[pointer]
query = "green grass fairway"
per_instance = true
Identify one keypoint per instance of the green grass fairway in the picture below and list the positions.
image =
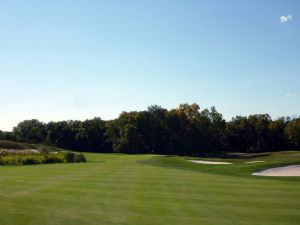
(145, 189)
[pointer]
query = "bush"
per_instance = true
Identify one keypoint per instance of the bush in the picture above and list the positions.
(32, 159)
(80, 158)
(72, 157)
(21, 158)
(10, 160)
(54, 158)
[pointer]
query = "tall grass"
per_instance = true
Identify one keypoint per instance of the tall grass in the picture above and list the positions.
(25, 157)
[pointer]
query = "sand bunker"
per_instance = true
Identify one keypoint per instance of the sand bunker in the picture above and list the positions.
(255, 162)
(285, 171)
(208, 162)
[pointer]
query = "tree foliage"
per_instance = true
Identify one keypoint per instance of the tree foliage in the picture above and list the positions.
(186, 130)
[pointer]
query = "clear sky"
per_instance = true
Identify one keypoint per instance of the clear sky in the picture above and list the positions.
(74, 59)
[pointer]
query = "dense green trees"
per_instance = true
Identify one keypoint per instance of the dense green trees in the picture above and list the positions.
(186, 130)
(292, 132)
(31, 131)
(77, 135)
(251, 133)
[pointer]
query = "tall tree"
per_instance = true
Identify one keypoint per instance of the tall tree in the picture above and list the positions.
(293, 133)
(31, 131)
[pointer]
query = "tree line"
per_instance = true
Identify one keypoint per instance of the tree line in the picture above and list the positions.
(186, 130)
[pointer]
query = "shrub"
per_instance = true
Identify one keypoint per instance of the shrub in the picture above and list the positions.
(80, 158)
(21, 158)
(70, 157)
(32, 159)
(54, 158)
(10, 160)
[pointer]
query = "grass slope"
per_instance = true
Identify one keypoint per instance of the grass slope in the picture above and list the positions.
(5, 144)
(145, 189)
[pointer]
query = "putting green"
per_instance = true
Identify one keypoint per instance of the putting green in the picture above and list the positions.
(145, 189)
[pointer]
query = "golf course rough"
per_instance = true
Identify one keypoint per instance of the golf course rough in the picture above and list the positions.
(145, 189)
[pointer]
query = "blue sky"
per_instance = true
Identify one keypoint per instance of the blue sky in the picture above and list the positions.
(63, 60)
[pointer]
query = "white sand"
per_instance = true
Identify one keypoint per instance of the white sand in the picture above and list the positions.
(254, 162)
(285, 171)
(208, 162)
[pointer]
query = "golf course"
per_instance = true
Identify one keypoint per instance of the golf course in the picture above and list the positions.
(150, 189)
